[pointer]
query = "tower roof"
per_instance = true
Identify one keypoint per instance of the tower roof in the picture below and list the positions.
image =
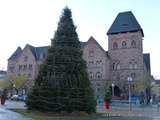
(125, 22)
(16, 54)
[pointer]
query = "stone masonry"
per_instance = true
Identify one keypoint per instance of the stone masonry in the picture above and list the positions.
(123, 59)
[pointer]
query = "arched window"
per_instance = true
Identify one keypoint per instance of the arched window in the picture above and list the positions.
(135, 65)
(124, 44)
(114, 66)
(91, 75)
(130, 65)
(98, 62)
(98, 75)
(118, 66)
(133, 44)
(115, 45)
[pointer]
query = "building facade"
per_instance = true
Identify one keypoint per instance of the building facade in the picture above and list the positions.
(123, 59)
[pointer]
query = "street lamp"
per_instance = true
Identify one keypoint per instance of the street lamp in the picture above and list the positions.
(129, 83)
(112, 90)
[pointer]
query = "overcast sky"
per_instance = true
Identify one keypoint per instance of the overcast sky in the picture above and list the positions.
(34, 22)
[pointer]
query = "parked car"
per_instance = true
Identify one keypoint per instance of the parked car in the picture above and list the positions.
(14, 97)
(19, 97)
(22, 97)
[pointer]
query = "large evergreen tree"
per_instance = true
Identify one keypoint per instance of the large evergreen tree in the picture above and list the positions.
(62, 83)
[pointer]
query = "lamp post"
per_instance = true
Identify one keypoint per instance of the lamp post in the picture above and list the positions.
(112, 90)
(129, 83)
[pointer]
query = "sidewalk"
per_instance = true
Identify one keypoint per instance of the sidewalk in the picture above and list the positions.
(6, 114)
(148, 111)
(14, 104)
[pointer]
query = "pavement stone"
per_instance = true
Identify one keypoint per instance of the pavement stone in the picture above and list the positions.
(115, 113)
(6, 114)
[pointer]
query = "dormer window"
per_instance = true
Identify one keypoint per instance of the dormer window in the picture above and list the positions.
(42, 56)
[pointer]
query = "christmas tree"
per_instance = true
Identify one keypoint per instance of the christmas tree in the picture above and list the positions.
(62, 83)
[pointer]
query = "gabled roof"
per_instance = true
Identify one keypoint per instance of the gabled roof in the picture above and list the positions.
(41, 51)
(83, 44)
(93, 39)
(125, 22)
(16, 54)
(38, 51)
(146, 59)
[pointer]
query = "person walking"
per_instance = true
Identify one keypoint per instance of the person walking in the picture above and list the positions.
(3, 96)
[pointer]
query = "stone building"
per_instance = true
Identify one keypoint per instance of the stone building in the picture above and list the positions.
(123, 59)
(26, 62)
(125, 48)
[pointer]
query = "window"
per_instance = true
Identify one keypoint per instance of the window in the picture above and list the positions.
(130, 65)
(11, 68)
(124, 44)
(25, 58)
(98, 84)
(133, 75)
(91, 53)
(133, 44)
(98, 89)
(118, 66)
(42, 56)
(115, 45)
(98, 75)
(114, 66)
(20, 67)
(98, 62)
(30, 66)
(24, 67)
(133, 64)
(29, 75)
(91, 75)
(90, 63)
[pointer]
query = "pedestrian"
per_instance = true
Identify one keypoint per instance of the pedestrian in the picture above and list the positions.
(3, 96)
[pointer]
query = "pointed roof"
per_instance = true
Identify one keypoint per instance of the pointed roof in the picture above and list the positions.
(93, 39)
(125, 22)
(83, 44)
(16, 54)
